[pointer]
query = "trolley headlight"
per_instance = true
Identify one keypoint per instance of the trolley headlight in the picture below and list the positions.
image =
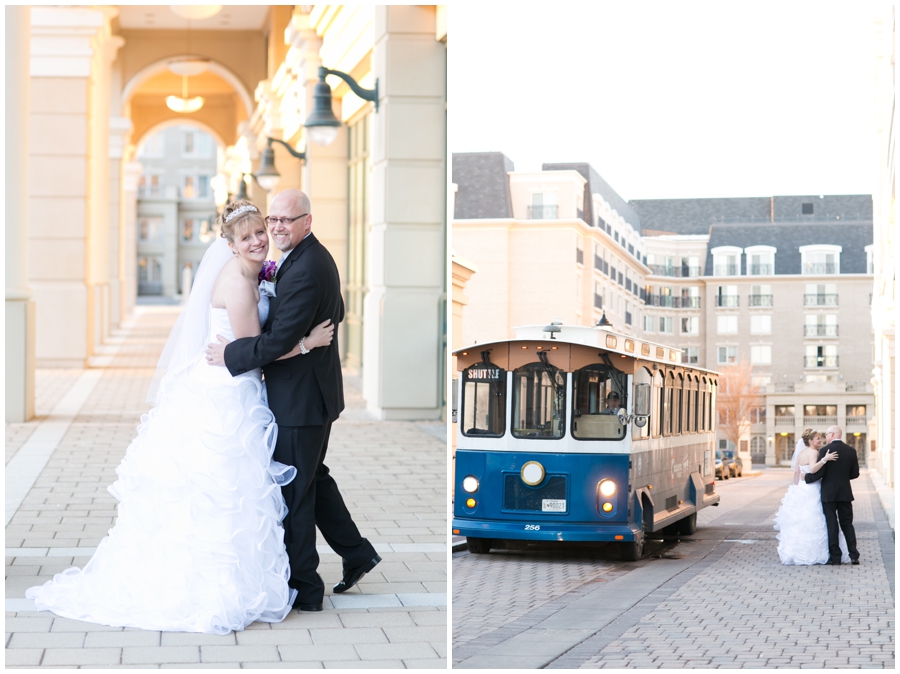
(532, 473)
(607, 488)
(470, 484)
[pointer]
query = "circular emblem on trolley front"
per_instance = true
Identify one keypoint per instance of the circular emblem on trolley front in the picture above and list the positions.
(532, 473)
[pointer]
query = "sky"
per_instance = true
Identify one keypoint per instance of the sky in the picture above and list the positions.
(671, 99)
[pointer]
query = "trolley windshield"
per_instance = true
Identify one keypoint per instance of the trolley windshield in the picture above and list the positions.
(539, 401)
(600, 392)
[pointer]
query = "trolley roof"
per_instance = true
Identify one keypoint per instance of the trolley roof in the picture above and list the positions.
(589, 336)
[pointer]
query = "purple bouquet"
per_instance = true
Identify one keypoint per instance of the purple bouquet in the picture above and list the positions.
(267, 273)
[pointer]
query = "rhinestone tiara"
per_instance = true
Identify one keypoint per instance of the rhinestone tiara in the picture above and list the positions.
(246, 208)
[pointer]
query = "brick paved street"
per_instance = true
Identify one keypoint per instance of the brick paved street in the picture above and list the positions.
(718, 599)
(392, 476)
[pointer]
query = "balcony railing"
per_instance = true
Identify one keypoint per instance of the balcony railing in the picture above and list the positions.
(760, 300)
(820, 300)
(543, 212)
(819, 268)
(727, 300)
(678, 272)
(820, 361)
(672, 301)
(761, 269)
(784, 421)
(689, 302)
(727, 270)
(820, 423)
(820, 330)
(856, 387)
(660, 300)
(857, 421)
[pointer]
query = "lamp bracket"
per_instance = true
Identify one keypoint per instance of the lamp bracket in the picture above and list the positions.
(365, 94)
(294, 153)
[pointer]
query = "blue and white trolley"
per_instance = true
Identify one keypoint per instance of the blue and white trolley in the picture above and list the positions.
(571, 433)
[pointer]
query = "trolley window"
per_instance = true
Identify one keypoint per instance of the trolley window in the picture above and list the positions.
(600, 392)
(539, 401)
(484, 401)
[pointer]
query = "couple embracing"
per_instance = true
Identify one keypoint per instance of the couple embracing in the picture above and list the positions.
(815, 520)
(199, 545)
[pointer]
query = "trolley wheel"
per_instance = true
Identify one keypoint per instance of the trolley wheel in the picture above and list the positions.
(479, 546)
(688, 525)
(632, 551)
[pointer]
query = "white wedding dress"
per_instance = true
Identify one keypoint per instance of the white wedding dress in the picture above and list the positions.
(198, 544)
(803, 536)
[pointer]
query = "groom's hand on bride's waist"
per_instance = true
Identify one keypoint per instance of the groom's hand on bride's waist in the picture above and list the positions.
(215, 352)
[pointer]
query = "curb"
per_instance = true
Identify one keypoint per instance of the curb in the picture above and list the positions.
(458, 544)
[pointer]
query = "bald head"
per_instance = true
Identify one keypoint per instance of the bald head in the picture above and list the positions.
(291, 219)
(834, 433)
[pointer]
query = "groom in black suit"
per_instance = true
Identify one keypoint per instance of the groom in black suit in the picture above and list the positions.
(837, 496)
(306, 395)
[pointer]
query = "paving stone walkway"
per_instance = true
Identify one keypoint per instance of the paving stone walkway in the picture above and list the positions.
(718, 599)
(392, 476)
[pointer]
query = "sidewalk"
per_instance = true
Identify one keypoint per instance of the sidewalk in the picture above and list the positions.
(392, 476)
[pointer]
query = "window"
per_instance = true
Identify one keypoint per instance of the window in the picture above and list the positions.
(821, 325)
(726, 261)
(727, 296)
(649, 322)
(690, 297)
(821, 356)
(726, 325)
(760, 260)
(484, 401)
(539, 396)
(784, 410)
(761, 324)
(761, 354)
(820, 259)
(627, 313)
(149, 270)
(195, 143)
(195, 187)
(666, 325)
(187, 230)
(657, 397)
(152, 147)
(151, 185)
(761, 380)
(761, 295)
(820, 295)
(543, 206)
(207, 231)
(600, 391)
(149, 228)
(758, 415)
(579, 250)
(856, 410)
(691, 355)
(727, 354)
(691, 325)
(820, 410)
(598, 296)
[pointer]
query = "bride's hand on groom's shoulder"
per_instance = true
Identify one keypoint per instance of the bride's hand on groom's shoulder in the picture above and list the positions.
(830, 456)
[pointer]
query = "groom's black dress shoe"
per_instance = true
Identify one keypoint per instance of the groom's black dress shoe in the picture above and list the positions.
(308, 607)
(854, 561)
(834, 562)
(353, 576)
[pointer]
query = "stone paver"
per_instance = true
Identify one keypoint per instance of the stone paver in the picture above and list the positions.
(392, 476)
(719, 599)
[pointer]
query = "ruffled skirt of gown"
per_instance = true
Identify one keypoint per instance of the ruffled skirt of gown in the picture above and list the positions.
(198, 544)
(803, 535)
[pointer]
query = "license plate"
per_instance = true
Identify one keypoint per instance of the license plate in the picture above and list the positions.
(553, 505)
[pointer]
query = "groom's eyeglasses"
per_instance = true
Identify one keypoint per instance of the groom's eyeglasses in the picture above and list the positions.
(283, 221)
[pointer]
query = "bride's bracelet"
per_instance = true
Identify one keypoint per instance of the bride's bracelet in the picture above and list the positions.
(303, 348)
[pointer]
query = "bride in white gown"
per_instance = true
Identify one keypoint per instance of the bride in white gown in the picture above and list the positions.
(198, 543)
(803, 537)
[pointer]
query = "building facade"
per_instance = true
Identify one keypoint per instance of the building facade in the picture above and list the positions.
(781, 281)
(93, 83)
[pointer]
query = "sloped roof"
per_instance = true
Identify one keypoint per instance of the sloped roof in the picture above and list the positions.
(482, 185)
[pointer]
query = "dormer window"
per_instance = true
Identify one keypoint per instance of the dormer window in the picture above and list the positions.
(727, 261)
(820, 259)
(760, 260)
(543, 206)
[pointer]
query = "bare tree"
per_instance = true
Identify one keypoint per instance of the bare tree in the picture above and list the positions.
(738, 396)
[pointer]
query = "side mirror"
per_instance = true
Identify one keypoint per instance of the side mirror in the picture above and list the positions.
(622, 416)
(642, 400)
(640, 422)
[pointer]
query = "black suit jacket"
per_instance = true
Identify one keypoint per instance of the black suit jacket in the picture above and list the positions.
(306, 390)
(836, 475)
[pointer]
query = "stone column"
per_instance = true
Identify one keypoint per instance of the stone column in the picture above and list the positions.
(119, 130)
(68, 184)
(131, 176)
(20, 308)
(404, 313)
